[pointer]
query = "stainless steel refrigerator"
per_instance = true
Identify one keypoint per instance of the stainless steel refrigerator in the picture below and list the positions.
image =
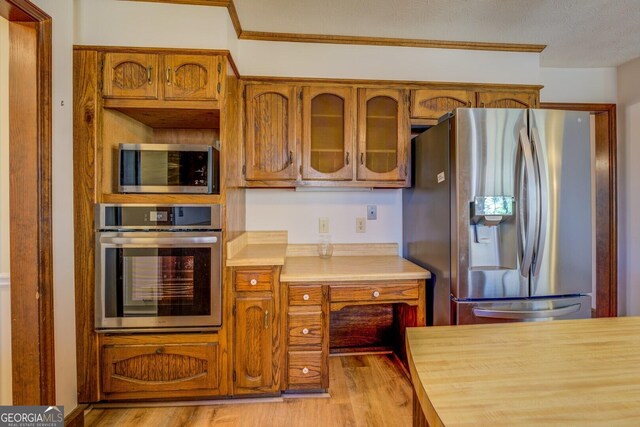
(500, 212)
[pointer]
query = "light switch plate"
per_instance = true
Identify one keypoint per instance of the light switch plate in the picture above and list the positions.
(372, 212)
(323, 225)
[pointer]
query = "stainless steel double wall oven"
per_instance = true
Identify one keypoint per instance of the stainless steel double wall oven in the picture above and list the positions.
(158, 267)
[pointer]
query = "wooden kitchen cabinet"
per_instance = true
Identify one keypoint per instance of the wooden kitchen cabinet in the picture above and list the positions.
(257, 350)
(272, 132)
(192, 77)
(434, 103)
(328, 124)
(383, 134)
(139, 366)
(170, 77)
(511, 99)
(130, 75)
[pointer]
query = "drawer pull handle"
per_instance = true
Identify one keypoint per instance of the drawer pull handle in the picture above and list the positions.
(376, 294)
(305, 370)
(266, 319)
(305, 331)
(305, 297)
(253, 282)
(159, 350)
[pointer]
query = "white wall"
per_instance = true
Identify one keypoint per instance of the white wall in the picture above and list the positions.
(579, 85)
(130, 23)
(385, 62)
(5, 297)
(628, 195)
(298, 213)
(61, 12)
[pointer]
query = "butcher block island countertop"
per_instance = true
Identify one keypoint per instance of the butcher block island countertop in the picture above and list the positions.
(562, 373)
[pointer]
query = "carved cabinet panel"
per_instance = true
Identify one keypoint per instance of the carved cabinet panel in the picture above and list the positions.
(271, 137)
(254, 350)
(434, 103)
(507, 100)
(150, 368)
(192, 77)
(130, 75)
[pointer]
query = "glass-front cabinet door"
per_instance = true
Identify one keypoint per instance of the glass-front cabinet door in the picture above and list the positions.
(383, 134)
(271, 136)
(328, 115)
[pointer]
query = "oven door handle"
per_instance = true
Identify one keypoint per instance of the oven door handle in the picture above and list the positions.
(158, 240)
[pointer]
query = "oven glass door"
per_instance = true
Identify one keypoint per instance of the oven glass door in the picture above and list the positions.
(159, 279)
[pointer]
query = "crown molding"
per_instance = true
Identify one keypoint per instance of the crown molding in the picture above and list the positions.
(353, 40)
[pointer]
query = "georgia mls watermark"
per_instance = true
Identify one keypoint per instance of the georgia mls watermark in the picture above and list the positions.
(31, 416)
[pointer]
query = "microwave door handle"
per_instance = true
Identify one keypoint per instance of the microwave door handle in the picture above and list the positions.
(158, 240)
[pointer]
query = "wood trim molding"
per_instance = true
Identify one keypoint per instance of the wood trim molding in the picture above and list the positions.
(606, 203)
(354, 40)
(75, 418)
(388, 41)
(32, 332)
(409, 84)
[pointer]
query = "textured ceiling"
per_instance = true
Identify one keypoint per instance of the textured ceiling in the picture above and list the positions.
(578, 33)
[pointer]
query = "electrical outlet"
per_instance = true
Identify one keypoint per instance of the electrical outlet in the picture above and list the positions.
(372, 212)
(361, 225)
(323, 225)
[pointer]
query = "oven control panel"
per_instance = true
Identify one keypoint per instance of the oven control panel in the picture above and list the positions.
(155, 217)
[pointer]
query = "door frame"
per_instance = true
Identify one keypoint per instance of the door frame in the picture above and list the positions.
(31, 272)
(606, 203)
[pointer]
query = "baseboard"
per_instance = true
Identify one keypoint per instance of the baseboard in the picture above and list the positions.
(75, 418)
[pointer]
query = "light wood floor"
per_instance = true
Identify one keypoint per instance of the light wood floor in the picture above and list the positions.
(368, 390)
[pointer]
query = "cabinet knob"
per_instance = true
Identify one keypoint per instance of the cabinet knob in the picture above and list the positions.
(305, 370)
(376, 294)
(305, 297)
(159, 350)
(253, 282)
(305, 331)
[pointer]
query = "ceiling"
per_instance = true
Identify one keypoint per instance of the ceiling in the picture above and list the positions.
(578, 33)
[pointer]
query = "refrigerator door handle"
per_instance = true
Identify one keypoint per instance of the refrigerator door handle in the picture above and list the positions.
(543, 214)
(526, 314)
(532, 204)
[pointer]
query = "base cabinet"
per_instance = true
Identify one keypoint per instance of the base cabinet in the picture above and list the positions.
(256, 332)
(141, 366)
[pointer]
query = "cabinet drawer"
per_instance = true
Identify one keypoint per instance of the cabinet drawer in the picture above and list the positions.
(305, 294)
(304, 369)
(171, 367)
(254, 280)
(305, 328)
(384, 292)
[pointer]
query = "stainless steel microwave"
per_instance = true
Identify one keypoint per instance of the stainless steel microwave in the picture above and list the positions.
(168, 168)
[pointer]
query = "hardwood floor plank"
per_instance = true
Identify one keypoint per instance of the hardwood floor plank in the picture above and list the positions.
(366, 390)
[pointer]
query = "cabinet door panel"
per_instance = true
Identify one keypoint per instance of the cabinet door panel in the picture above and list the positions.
(434, 103)
(507, 100)
(328, 133)
(383, 134)
(171, 367)
(271, 132)
(254, 352)
(130, 75)
(192, 77)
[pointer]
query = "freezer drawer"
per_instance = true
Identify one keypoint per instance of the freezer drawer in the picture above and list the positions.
(522, 310)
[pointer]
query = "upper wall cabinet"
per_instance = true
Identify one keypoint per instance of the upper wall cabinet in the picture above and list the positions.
(383, 134)
(192, 77)
(167, 77)
(507, 100)
(271, 136)
(328, 124)
(130, 75)
(434, 103)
